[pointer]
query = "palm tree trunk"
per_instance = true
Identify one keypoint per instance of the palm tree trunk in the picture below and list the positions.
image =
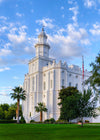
(17, 110)
(40, 116)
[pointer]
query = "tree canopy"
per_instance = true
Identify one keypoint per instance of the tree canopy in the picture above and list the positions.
(68, 103)
(86, 105)
(94, 79)
(7, 112)
(74, 104)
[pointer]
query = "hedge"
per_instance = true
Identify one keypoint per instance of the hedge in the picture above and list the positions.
(8, 121)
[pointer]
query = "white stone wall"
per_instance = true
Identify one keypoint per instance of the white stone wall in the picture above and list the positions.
(44, 81)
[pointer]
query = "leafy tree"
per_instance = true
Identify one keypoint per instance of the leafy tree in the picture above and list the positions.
(4, 107)
(41, 108)
(19, 94)
(10, 113)
(15, 106)
(74, 104)
(68, 103)
(1, 113)
(86, 105)
(94, 79)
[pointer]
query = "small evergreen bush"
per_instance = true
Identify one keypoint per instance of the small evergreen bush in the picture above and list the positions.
(86, 121)
(32, 121)
(22, 120)
(52, 120)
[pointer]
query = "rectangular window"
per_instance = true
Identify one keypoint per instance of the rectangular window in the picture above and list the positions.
(69, 84)
(70, 75)
(63, 82)
(77, 86)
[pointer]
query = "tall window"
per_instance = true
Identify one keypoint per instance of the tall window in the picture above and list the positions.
(44, 85)
(77, 86)
(62, 82)
(69, 84)
(70, 75)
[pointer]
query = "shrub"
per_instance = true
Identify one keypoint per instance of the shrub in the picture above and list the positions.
(32, 121)
(8, 121)
(62, 121)
(52, 120)
(86, 121)
(22, 120)
(46, 121)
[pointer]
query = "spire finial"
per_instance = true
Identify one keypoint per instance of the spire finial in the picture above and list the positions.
(43, 27)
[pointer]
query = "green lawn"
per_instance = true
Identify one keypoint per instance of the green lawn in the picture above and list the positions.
(49, 132)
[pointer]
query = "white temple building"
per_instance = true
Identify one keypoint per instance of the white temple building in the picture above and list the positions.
(45, 79)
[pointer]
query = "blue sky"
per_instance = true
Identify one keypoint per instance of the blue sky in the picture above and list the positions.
(72, 26)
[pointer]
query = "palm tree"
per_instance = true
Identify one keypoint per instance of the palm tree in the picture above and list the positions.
(41, 108)
(18, 93)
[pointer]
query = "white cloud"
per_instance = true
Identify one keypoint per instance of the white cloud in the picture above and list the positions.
(4, 91)
(17, 39)
(89, 3)
(5, 52)
(75, 12)
(15, 77)
(1, 1)
(63, 16)
(19, 14)
(16, 5)
(96, 29)
(62, 7)
(3, 17)
(47, 22)
(4, 69)
(32, 11)
(70, 2)
(69, 42)
(3, 29)
(15, 44)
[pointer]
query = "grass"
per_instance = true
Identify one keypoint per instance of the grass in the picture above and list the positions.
(49, 132)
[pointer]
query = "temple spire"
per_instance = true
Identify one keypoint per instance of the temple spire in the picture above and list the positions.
(42, 47)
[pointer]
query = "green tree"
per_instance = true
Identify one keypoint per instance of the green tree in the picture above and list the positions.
(68, 103)
(15, 107)
(12, 112)
(41, 108)
(94, 79)
(1, 113)
(86, 105)
(4, 107)
(19, 94)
